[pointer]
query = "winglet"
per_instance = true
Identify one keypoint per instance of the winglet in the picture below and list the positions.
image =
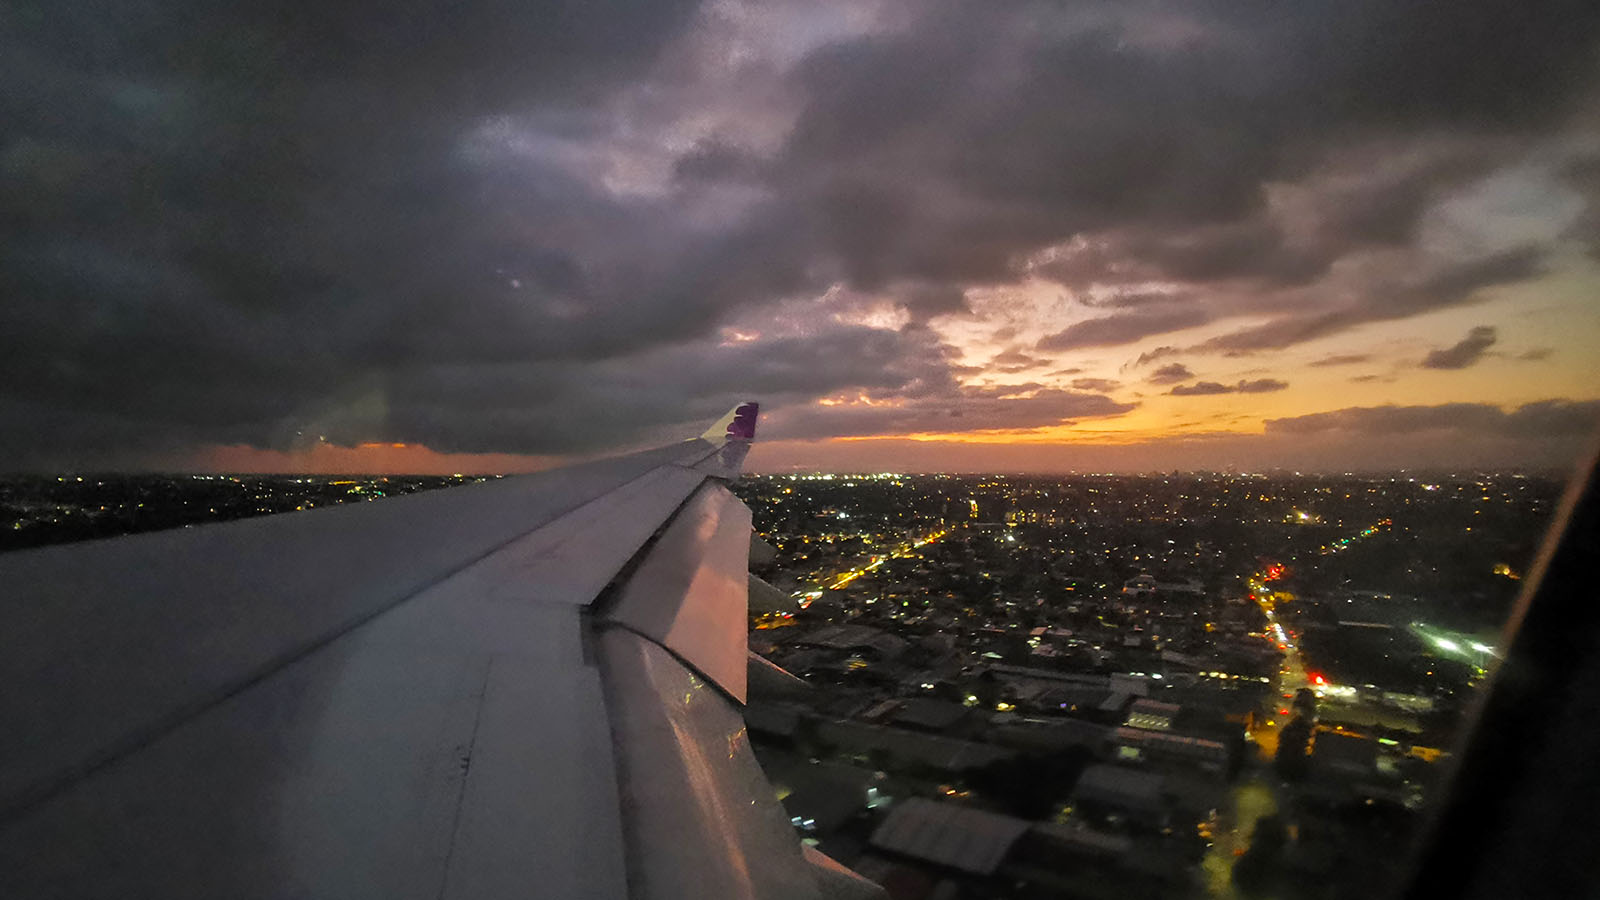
(738, 425)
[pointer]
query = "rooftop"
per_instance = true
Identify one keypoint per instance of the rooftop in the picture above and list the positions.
(967, 839)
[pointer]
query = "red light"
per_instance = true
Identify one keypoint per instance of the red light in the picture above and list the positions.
(1283, 712)
(1319, 679)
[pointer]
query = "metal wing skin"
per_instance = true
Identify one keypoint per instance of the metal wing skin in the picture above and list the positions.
(522, 688)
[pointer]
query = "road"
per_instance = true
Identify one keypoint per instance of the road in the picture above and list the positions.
(909, 548)
(1255, 796)
(1292, 674)
(1249, 801)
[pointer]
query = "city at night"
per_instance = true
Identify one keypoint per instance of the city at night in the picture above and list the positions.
(1145, 677)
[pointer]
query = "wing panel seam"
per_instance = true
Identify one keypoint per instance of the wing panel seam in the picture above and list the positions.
(461, 795)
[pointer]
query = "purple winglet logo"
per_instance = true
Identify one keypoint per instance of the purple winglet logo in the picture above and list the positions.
(743, 426)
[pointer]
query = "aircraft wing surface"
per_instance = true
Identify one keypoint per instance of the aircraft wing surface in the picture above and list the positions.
(528, 687)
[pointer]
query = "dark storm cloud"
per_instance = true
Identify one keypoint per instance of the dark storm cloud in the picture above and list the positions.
(1546, 418)
(1256, 248)
(216, 215)
(551, 407)
(1456, 283)
(1122, 328)
(243, 222)
(1335, 214)
(1170, 374)
(1343, 359)
(1155, 355)
(1583, 175)
(969, 409)
(1360, 210)
(984, 130)
(1553, 417)
(1449, 286)
(1261, 386)
(1099, 385)
(1465, 352)
(1013, 360)
(1203, 388)
(925, 301)
(711, 162)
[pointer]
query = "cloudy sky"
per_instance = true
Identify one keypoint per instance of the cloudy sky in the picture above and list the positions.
(927, 235)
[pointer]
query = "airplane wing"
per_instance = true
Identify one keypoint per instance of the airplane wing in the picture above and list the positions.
(529, 687)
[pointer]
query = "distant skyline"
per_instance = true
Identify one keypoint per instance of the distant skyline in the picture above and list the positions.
(926, 235)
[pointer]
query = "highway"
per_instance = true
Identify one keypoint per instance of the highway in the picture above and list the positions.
(1255, 795)
(907, 549)
(1292, 674)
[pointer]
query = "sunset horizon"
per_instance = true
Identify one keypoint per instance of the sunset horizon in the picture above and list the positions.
(941, 236)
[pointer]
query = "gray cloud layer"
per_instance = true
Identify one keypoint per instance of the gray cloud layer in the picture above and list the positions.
(1343, 359)
(1465, 352)
(1546, 418)
(1170, 374)
(1122, 328)
(971, 409)
(1205, 388)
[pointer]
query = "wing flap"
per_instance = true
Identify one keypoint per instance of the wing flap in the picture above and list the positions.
(689, 593)
(699, 817)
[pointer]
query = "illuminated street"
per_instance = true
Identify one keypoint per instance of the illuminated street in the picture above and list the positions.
(1250, 800)
(1292, 675)
(903, 551)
